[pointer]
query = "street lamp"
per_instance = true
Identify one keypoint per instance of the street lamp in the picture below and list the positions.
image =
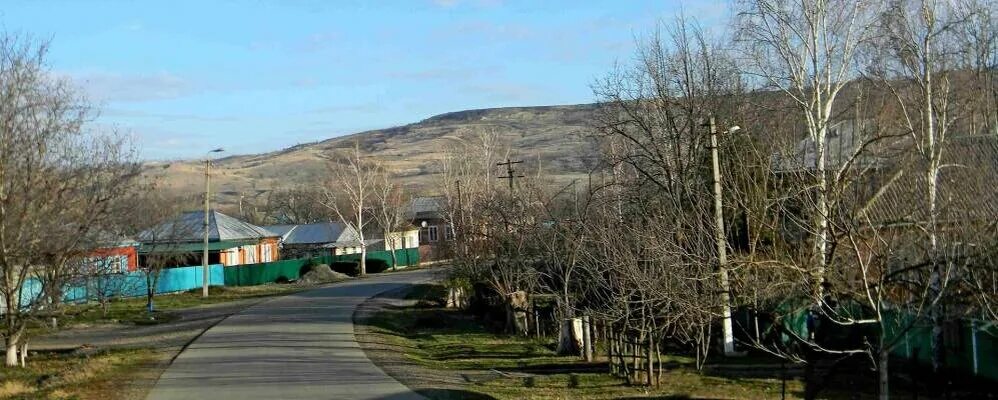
(207, 195)
(727, 330)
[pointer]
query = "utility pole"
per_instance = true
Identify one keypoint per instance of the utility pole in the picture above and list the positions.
(510, 172)
(722, 244)
(459, 229)
(206, 274)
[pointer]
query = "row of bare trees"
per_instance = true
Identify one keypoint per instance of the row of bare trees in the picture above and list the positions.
(842, 204)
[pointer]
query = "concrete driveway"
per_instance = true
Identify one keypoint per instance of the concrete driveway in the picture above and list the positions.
(299, 346)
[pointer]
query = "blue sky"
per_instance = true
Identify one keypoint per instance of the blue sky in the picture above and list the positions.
(184, 77)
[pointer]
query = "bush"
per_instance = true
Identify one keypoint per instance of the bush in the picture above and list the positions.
(351, 268)
(375, 265)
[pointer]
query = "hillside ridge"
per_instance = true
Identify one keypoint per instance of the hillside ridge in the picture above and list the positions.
(551, 137)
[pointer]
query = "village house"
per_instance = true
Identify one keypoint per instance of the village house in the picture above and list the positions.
(436, 234)
(116, 256)
(336, 239)
(230, 241)
(316, 239)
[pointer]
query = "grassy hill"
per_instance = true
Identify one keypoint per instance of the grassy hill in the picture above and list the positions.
(551, 138)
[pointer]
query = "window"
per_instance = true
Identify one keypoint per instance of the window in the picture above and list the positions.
(250, 254)
(431, 231)
(265, 249)
(449, 232)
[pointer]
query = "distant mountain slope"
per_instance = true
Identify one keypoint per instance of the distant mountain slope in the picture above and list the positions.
(550, 135)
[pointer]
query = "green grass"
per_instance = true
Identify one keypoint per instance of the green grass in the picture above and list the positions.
(133, 310)
(101, 376)
(442, 339)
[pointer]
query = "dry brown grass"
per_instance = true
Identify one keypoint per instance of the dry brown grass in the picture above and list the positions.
(102, 376)
(13, 388)
(549, 138)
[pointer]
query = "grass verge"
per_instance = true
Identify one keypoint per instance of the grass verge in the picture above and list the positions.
(496, 366)
(133, 310)
(104, 375)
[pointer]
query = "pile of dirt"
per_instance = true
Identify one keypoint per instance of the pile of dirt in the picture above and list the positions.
(322, 274)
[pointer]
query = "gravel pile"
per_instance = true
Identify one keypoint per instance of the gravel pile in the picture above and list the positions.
(322, 274)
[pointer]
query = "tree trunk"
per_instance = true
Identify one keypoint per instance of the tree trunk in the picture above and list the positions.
(884, 376)
(622, 357)
(821, 223)
(570, 338)
(363, 257)
(651, 360)
(587, 338)
(610, 344)
(150, 291)
(658, 357)
(24, 354)
(11, 359)
(635, 364)
(391, 249)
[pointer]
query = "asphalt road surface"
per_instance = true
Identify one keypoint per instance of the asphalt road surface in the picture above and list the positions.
(299, 346)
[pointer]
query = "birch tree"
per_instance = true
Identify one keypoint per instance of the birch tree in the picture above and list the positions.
(807, 51)
(350, 192)
(927, 72)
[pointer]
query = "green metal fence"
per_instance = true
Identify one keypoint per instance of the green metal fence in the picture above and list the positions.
(289, 270)
(269, 272)
(405, 257)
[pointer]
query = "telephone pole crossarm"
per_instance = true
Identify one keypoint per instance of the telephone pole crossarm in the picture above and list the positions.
(510, 172)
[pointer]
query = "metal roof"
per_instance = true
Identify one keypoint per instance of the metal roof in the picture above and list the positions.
(317, 233)
(189, 227)
(191, 247)
(427, 207)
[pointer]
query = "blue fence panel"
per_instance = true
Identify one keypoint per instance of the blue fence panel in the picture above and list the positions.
(132, 284)
(187, 278)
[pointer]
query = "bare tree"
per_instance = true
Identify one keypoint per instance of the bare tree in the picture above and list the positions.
(389, 209)
(807, 51)
(296, 205)
(653, 116)
(58, 185)
(925, 69)
(160, 239)
(350, 192)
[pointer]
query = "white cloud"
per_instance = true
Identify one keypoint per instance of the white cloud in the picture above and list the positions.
(113, 87)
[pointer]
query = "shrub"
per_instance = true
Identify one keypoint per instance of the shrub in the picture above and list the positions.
(351, 268)
(375, 265)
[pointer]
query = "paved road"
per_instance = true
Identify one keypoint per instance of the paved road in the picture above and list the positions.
(299, 346)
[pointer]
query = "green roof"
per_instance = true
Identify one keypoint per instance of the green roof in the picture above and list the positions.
(194, 247)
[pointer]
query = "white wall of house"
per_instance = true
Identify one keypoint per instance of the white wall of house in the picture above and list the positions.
(403, 240)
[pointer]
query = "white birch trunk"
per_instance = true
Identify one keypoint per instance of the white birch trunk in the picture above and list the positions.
(11, 359)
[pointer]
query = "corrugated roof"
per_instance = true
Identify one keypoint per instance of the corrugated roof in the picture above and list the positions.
(965, 193)
(281, 230)
(192, 247)
(317, 233)
(427, 207)
(189, 227)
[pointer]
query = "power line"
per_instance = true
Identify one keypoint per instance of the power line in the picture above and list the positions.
(510, 172)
